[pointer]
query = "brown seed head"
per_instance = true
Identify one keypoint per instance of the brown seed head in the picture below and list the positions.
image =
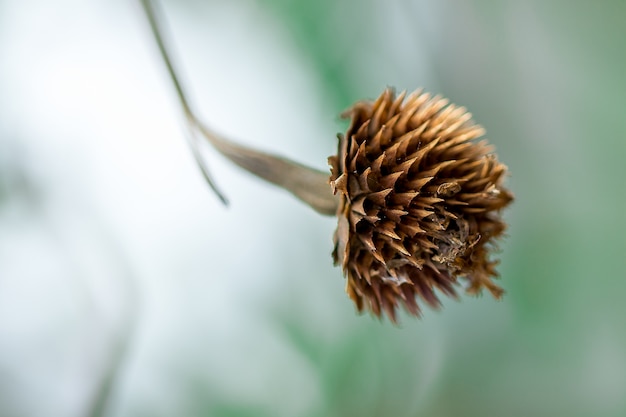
(419, 203)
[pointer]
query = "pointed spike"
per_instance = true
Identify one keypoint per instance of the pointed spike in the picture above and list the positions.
(362, 131)
(406, 165)
(418, 183)
(455, 202)
(359, 159)
(395, 106)
(409, 300)
(363, 179)
(340, 184)
(368, 242)
(403, 149)
(389, 181)
(357, 205)
(374, 299)
(389, 307)
(427, 294)
(411, 229)
(391, 154)
(404, 199)
(355, 217)
(379, 257)
(389, 233)
(388, 230)
(408, 136)
(395, 214)
(379, 197)
(386, 134)
(420, 213)
(430, 201)
(421, 153)
(375, 143)
(435, 170)
(353, 187)
(367, 275)
(409, 110)
(378, 163)
(460, 120)
(474, 210)
(427, 245)
(419, 264)
(398, 246)
(391, 123)
(380, 106)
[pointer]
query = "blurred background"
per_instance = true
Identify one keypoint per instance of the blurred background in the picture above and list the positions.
(127, 289)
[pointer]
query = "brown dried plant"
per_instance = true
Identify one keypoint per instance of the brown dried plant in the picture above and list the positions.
(417, 196)
(419, 202)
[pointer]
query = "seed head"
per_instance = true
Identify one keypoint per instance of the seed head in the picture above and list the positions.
(416, 195)
(420, 200)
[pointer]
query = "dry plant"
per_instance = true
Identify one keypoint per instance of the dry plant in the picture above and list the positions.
(416, 193)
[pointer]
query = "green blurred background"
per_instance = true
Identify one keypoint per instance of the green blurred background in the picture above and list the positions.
(126, 289)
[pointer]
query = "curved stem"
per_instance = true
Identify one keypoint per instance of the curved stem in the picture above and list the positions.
(308, 184)
(155, 27)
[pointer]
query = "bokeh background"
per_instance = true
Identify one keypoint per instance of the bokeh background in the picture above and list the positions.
(127, 289)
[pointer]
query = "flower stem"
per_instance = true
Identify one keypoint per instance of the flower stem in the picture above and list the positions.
(308, 184)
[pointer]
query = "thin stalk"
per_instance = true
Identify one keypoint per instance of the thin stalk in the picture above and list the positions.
(308, 184)
(155, 26)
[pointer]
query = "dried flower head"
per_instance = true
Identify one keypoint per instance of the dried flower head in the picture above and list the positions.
(419, 203)
(416, 195)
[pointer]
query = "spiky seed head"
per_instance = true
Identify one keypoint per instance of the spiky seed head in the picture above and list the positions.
(420, 200)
